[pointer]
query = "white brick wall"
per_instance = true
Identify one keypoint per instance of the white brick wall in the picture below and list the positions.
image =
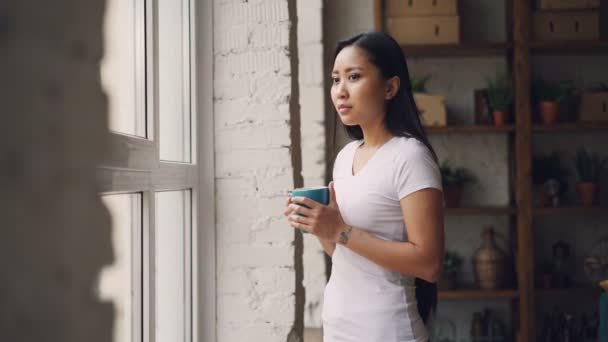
(256, 272)
(310, 47)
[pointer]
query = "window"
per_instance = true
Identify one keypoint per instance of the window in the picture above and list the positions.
(160, 160)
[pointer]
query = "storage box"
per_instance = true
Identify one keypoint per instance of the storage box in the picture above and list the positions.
(425, 30)
(567, 4)
(566, 25)
(432, 108)
(418, 8)
(593, 107)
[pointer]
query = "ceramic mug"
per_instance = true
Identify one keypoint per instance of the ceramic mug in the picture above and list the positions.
(318, 194)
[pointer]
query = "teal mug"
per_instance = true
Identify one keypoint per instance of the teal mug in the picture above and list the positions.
(318, 194)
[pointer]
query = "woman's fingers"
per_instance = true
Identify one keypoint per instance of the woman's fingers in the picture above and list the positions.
(302, 210)
(288, 209)
(300, 222)
(305, 201)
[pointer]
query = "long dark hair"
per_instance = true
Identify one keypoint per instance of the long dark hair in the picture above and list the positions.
(402, 119)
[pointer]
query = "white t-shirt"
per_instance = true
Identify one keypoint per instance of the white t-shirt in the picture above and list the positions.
(364, 301)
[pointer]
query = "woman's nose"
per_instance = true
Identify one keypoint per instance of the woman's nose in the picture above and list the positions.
(342, 91)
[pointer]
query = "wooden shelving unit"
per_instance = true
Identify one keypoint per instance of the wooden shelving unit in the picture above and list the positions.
(470, 129)
(569, 46)
(518, 50)
(571, 126)
(480, 211)
(580, 291)
(451, 50)
(571, 211)
(478, 294)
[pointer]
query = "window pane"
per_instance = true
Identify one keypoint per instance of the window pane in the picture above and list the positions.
(123, 66)
(174, 80)
(173, 295)
(120, 282)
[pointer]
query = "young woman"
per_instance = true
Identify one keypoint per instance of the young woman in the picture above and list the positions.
(383, 226)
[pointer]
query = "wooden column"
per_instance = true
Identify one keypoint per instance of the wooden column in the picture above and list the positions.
(523, 176)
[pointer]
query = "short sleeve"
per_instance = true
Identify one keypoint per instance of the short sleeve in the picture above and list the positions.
(415, 169)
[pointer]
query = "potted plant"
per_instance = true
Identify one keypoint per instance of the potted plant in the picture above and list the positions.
(453, 180)
(418, 84)
(589, 168)
(546, 168)
(549, 95)
(452, 263)
(500, 98)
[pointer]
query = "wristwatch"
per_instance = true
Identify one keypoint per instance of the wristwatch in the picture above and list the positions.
(344, 235)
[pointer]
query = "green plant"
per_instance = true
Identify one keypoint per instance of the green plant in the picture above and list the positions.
(418, 84)
(452, 262)
(545, 167)
(589, 166)
(499, 93)
(553, 91)
(455, 175)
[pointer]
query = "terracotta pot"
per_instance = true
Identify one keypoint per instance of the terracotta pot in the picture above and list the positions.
(500, 117)
(548, 111)
(587, 193)
(452, 195)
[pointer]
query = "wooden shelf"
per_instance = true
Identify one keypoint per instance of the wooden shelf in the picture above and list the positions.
(571, 126)
(478, 294)
(579, 291)
(480, 211)
(463, 49)
(570, 211)
(469, 129)
(569, 46)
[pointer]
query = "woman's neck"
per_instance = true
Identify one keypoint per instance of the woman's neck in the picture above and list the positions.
(375, 136)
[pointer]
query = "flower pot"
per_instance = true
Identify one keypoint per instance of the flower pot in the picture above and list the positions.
(548, 112)
(587, 193)
(452, 195)
(500, 117)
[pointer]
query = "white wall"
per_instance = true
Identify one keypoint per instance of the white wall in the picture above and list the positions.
(256, 248)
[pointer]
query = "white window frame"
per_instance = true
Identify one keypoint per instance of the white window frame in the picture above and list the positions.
(133, 166)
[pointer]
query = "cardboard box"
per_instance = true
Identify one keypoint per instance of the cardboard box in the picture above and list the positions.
(419, 8)
(432, 108)
(425, 30)
(593, 107)
(566, 25)
(549, 5)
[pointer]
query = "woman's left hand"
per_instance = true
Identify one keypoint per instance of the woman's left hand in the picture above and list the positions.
(324, 221)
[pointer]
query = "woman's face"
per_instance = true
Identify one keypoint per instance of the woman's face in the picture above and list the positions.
(358, 91)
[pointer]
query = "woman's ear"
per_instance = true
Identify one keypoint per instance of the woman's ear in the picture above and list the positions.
(392, 87)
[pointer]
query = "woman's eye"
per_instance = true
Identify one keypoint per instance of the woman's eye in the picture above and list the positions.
(354, 77)
(335, 80)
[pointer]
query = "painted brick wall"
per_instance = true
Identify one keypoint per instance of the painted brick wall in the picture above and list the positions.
(253, 113)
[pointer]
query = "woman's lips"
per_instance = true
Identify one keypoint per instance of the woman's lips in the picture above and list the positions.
(343, 109)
